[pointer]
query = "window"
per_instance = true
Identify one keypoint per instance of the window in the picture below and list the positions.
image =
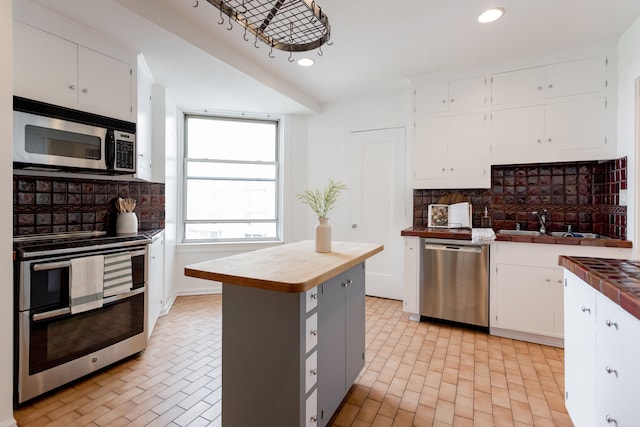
(231, 179)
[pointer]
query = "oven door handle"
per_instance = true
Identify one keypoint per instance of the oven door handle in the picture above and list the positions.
(63, 264)
(51, 265)
(47, 315)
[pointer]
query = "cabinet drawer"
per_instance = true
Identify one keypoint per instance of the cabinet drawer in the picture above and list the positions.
(311, 371)
(311, 299)
(311, 334)
(311, 415)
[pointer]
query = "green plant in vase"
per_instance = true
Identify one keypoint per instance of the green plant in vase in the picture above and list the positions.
(321, 202)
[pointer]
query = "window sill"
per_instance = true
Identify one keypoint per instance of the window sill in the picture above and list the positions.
(227, 247)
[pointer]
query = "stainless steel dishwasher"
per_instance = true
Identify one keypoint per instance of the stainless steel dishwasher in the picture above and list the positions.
(454, 281)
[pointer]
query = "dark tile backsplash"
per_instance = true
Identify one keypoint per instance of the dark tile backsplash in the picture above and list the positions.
(584, 195)
(51, 204)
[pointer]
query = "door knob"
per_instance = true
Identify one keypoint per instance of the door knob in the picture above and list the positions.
(354, 225)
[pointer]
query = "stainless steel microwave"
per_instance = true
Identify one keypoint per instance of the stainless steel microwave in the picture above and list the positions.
(51, 137)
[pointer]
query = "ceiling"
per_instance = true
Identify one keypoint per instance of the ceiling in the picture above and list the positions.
(377, 45)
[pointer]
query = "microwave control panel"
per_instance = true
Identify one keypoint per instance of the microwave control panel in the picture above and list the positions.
(125, 151)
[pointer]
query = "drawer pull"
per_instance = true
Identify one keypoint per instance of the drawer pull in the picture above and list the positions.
(610, 370)
(611, 420)
(314, 295)
(314, 418)
(586, 309)
(314, 372)
(609, 323)
(314, 332)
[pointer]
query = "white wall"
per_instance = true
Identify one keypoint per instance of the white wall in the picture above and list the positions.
(294, 171)
(328, 137)
(628, 139)
(6, 215)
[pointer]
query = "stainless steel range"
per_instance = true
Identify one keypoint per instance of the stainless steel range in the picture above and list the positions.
(80, 305)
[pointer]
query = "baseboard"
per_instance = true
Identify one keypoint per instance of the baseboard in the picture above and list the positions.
(167, 307)
(200, 291)
(9, 423)
(529, 337)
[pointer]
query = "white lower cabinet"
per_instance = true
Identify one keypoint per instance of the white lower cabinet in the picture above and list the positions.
(602, 358)
(526, 289)
(617, 366)
(579, 350)
(529, 299)
(155, 288)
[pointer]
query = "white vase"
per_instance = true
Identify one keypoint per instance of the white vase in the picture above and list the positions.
(127, 223)
(323, 235)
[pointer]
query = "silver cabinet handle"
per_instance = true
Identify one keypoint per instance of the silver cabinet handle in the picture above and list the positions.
(610, 370)
(611, 420)
(586, 309)
(347, 283)
(85, 90)
(539, 87)
(550, 86)
(314, 372)
(314, 332)
(314, 418)
(609, 323)
(549, 139)
(72, 87)
(314, 295)
(444, 101)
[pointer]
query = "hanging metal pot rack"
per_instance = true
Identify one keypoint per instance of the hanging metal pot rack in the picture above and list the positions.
(288, 25)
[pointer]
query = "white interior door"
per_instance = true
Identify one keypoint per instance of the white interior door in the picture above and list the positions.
(378, 204)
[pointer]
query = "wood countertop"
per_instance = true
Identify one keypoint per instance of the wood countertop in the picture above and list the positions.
(293, 267)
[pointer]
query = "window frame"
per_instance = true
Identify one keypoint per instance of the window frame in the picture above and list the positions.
(183, 178)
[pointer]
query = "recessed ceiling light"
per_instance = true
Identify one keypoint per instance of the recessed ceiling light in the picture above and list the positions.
(491, 15)
(305, 62)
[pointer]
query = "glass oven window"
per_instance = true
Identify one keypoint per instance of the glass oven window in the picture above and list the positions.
(50, 288)
(56, 341)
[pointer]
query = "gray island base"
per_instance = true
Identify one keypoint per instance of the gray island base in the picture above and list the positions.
(293, 331)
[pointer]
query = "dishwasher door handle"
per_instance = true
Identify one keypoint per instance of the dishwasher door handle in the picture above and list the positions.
(453, 248)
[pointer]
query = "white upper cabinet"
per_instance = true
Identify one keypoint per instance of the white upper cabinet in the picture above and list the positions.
(455, 95)
(57, 71)
(552, 132)
(144, 135)
(451, 151)
(537, 84)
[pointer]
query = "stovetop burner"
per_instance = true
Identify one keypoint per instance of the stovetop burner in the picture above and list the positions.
(29, 246)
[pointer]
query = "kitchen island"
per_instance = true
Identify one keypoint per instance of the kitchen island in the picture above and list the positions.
(293, 331)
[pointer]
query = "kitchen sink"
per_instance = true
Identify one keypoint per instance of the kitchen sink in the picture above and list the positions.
(575, 234)
(521, 232)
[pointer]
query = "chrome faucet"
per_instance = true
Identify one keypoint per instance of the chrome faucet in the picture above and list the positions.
(542, 219)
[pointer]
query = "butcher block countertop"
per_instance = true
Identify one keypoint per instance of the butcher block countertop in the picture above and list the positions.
(617, 279)
(293, 267)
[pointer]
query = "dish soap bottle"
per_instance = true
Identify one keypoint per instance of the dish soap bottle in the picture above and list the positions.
(485, 221)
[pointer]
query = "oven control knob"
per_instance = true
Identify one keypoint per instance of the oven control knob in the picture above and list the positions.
(94, 359)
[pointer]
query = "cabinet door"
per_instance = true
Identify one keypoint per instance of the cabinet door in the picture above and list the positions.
(105, 84)
(617, 364)
(524, 299)
(431, 98)
(355, 323)
(467, 94)
(576, 125)
(45, 66)
(576, 77)
(579, 350)
(144, 124)
(431, 138)
(517, 86)
(411, 263)
(468, 148)
(516, 131)
(331, 347)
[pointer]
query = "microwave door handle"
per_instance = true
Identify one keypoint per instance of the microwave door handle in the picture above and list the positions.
(51, 265)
